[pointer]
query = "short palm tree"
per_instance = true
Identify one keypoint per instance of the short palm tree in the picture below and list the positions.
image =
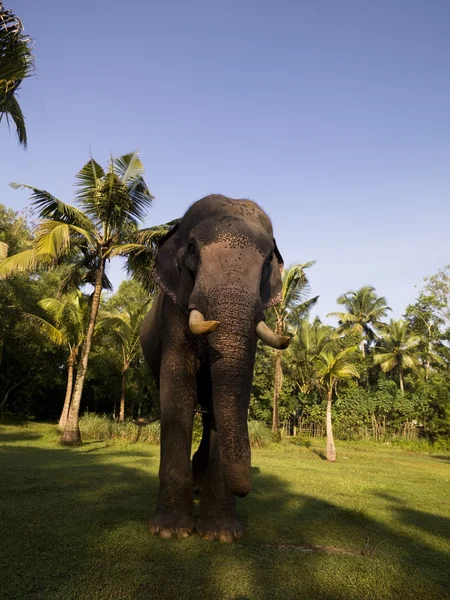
(398, 349)
(69, 316)
(16, 63)
(112, 203)
(291, 309)
(125, 326)
(331, 369)
(364, 313)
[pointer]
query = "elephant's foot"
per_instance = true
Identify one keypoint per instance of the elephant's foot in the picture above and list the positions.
(169, 525)
(225, 529)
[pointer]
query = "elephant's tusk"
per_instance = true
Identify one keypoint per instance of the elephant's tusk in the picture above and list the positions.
(272, 339)
(199, 326)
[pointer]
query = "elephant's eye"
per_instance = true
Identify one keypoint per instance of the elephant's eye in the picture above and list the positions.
(191, 257)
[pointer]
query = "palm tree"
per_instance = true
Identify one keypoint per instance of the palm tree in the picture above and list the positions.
(398, 349)
(112, 202)
(309, 341)
(125, 326)
(331, 369)
(16, 63)
(68, 328)
(364, 313)
(292, 307)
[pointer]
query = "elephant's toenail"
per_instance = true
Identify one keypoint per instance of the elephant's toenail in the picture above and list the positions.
(209, 536)
(184, 533)
(226, 537)
(165, 533)
(154, 529)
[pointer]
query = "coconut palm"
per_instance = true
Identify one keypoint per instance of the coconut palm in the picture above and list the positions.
(364, 313)
(292, 307)
(309, 341)
(69, 316)
(16, 63)
(125, 326)
(398, 349)
(332, 368)
(111, 202)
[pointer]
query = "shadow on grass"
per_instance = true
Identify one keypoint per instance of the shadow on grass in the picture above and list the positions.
(9, 436)
(75, 527)
(442, 457)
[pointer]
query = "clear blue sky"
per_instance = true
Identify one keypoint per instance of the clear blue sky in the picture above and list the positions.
(333, 115)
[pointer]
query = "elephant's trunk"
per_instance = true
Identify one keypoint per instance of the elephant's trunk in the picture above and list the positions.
(232, 355)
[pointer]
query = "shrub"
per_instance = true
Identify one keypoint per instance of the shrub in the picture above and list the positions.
(259, 434)
(151, 433)
(95, 427)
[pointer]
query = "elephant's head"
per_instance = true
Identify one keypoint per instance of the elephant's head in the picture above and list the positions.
(221, 266)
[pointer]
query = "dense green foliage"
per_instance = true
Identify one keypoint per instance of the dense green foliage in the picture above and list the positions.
(411, 353)
(75, 520)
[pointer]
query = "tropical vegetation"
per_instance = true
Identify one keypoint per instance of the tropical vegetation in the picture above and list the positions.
(362, 378)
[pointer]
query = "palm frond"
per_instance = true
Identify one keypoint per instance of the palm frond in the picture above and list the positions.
(125, 249)
(52, 306)
(50, 207)
(23, 262)
(52, 240)
(87, 180)
(10, 109)
(128, 166)
(295, 285)
(3, 250)
(49, 330)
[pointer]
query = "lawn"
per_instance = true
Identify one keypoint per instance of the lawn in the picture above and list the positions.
(74, 525)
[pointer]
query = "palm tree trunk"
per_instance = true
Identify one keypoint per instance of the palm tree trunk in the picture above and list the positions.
(331, 450)
(400, 377)
(70, 370)
(278, 383)
(363, 347)
(122, 396)
(71, 433)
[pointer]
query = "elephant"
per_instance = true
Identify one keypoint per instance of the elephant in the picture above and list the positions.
(216, 270)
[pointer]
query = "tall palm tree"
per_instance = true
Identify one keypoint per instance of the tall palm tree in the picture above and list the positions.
(331, 369)
(112, 203)
(125, 326)
(292, 307)
(364, 313)
(398, 349)
(16, 63)
(68, 329)
(309, 341)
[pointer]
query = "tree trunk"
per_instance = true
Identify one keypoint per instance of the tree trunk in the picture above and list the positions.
(71, 433)
(363, 347)
(70, 370)
(331, 450)
(278, 383)
(122, 397)
(400, 376)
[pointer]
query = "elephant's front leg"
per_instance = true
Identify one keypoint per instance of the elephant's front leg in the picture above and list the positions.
(178, 400)
(218, 518)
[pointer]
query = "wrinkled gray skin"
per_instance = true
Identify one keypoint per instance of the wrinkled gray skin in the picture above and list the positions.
(223, 261)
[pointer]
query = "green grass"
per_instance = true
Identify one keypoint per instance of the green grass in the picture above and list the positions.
(74, 525)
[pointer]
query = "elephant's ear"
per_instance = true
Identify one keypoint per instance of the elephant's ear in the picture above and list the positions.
(271, 290)
(166, 272)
